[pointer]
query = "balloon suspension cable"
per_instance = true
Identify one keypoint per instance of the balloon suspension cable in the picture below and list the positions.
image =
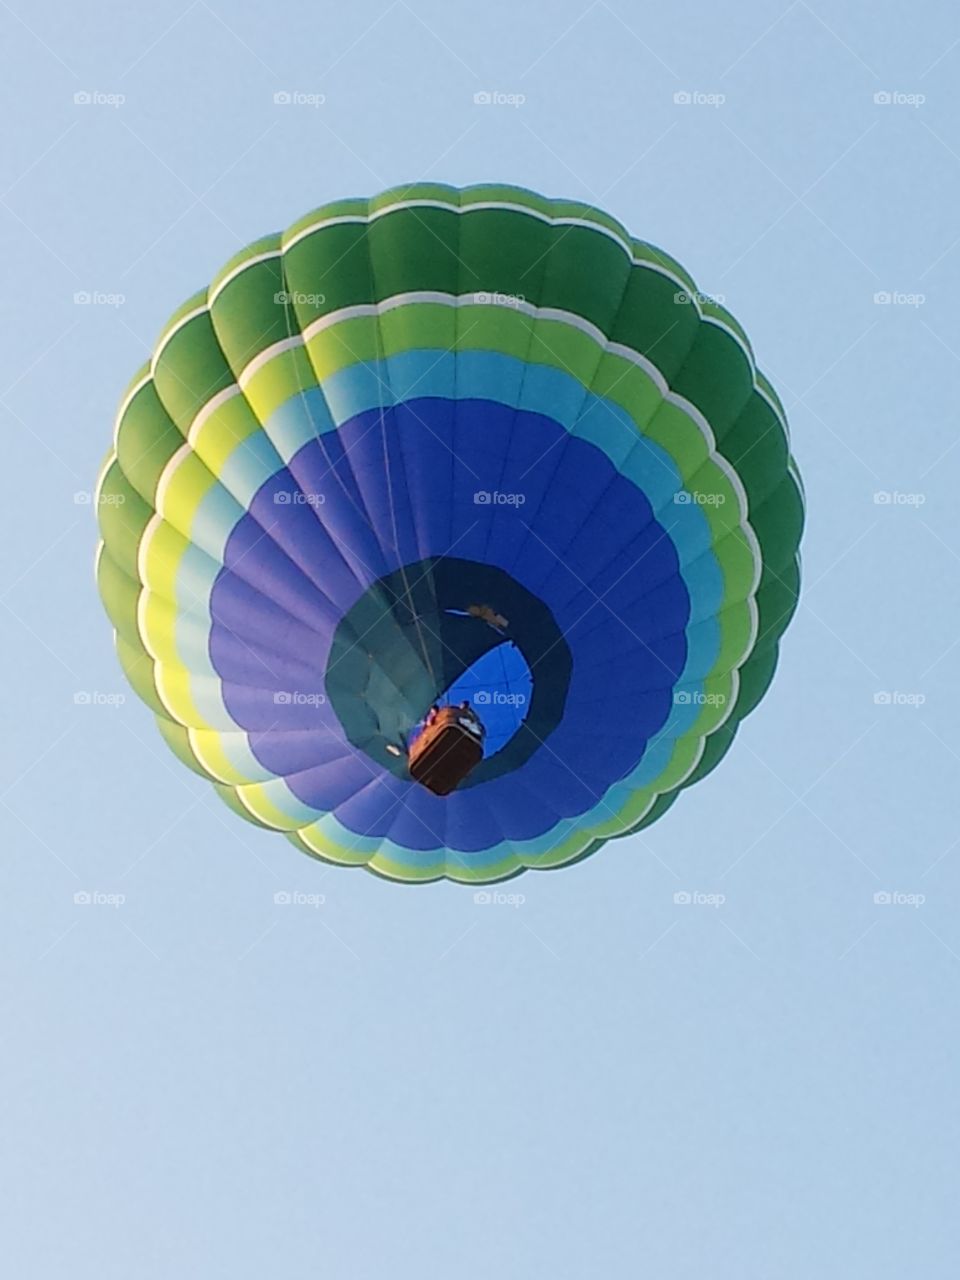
(289, 312)
(411, 603)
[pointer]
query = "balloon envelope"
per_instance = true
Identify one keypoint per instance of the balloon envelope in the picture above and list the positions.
(405, 417)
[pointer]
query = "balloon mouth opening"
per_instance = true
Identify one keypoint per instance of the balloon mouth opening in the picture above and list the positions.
(442, 632)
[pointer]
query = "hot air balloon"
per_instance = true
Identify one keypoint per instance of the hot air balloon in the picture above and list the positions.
(469, 449)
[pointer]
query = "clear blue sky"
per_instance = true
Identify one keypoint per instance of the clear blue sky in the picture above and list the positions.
(399, 1082)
